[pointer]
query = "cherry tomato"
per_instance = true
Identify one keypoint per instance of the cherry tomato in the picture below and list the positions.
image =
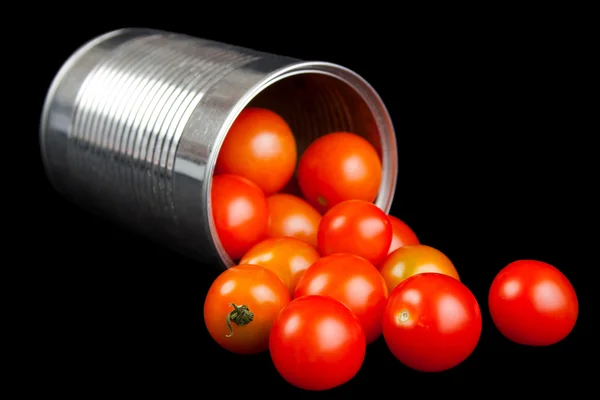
(339, 166)
(292, 216)
(432, 322)
(353, 281)
(401, 234)
(317, 343)
(287, 257)
(240, 308)
(240, 213)
(533, 303)
(259, 146)
(415, 259)
(355, 227)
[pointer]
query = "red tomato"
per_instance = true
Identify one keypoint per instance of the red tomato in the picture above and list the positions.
(339, 166)
(240, 213)
(415, 259)
(287, 257)
(293, 217)
(317, 343)
(259, 146)
(353, 281)
(401, 234)
(355, 227)
(240, 308)
(432, 322)
(533, 303)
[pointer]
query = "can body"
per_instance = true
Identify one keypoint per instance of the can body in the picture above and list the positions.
(134, 120)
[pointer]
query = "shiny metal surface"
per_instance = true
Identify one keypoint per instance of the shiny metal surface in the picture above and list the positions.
(134, 120)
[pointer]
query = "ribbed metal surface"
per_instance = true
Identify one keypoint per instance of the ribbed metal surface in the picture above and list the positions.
(133, 122)
(129, 116)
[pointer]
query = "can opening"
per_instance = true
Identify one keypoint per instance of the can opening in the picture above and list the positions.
(321, 98)
(317, 104)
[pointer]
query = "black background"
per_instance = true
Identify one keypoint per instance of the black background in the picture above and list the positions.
(490, 116)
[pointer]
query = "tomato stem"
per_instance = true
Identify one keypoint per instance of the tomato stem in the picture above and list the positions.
(403, 316)
(240, 315)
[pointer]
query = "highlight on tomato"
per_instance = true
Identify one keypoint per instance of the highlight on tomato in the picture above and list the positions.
(287, 257)
(355, 227)
(240, 213)
(410, 260)
(402, 234)
(259, 146)
(317, 343)
(432, 322)
(533, 303)
(339, 166)
(240, 308)
(353, 281)
(292, 216)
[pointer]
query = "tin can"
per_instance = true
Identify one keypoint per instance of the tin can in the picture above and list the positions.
(134, 120)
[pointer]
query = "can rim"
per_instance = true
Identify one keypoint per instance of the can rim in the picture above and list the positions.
(353, 80)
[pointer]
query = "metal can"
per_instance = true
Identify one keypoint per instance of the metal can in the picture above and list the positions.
(134, 120)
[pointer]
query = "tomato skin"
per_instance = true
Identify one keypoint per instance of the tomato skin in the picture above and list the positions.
(533, 303)
(355, 227)
(293, 217)
(402, 234)
(257, 288)
(354, 282)
(259, 146)
(240, 213)
(336, 167)
(432, 322)
(317, 343)
(287, 257)
(410, 260)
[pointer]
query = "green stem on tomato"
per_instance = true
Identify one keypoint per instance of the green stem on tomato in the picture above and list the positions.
(240, 315)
